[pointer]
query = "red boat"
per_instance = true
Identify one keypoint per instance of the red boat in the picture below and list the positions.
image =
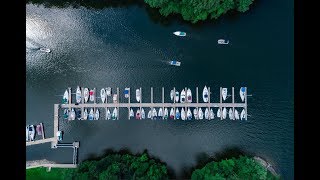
(39, 129)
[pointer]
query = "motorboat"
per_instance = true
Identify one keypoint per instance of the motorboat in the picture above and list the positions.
(171, 113)
(91, 114)
(126, 92)
(231, 114)
(59, 135)
(160, 113)
(138, 95)
(177, 96)
(86, 94)
(195, 113)
(175, 63)
(205, 94)
(138, 114)
(103, 95)
(219, 113)
(72, 114)
(206, 113)
(183, 96)
(154, 113)
(171, 95)
(166, 113)
(183, 114)
(92, 95)
(150, 114)
(114, 115)
(236, 114)
(85, 114)
(65, 97)
(223, 41)
(66, 114)
(143, 114)
(224, 113)
(211, 114)
(78, 95)
(131, 113)
(115, 98)
(179, 33)
(200, 113)
(78, 114)
(97, 114)
(108, 91)
(243, 114)
(32, 132)
(189, 95)
(27, 133)
(224, 93)
(177, 113)
(242, 93)
(108, 114)
(43, 49)
(189, 114)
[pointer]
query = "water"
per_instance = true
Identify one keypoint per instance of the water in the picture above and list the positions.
(123, 47)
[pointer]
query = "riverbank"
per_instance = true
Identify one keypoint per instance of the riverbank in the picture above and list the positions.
(266, 165)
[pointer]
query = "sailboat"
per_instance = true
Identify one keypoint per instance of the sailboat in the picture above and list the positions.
(219, 113)
(65, 97)
(138, 95)
(205, 95)
(92, 95)
(195, 113)
(171, 113)
(177, 113)
(103, 95)
(108, 91)
(200, 113)
(236, 114)
(72, 114)
(231, 114)
(86, 94)
(242, 93)
(154, 113)
(224, 113)
(32, 132)
(131, 113)
(183, 114)
(108, 114)
(206, 113)
(27, 133)
(160, 113)
(91, 114)
(97, 114)
(85, 114)
(243, 114)
(189, 114)
(114, 115)
(150, 114)
(183, 96)
(211, 114)
(177, 96)
(166, 113)
(189, 95)
(66, 114)
(143, 114)
(224, 93)
(138, 114)
(171, 95)
(78, 95)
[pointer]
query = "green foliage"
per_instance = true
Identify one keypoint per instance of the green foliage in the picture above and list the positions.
(241, 168)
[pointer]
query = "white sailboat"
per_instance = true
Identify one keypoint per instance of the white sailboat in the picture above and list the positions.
(189, 114)
(78, 95)
(166, 113)
(65, 97)
(219, 113)
(243, 114)
(92, 95)
(108, 114)
(242, 93)
(171, 113)
(171, 95)
(177, 96)
(160, 113)
(72, 114)
(206, 113)
(138, 95)
(114, 115)
(224, 113)
(27, 133)
(211, 114)
(150, 114)
(143, 114)
(103, 95)
(189, 95)
(131, 113)
(183, 96)
(200, 113)
(224, 93)
(195, 113)
(86, 94)
(154, 113)
(108, 91)
(97, 114)
(236, 114)
(205, 95)
(183, 114)
(85, 114)
(231, 114)
(91, 114)
(177, 113)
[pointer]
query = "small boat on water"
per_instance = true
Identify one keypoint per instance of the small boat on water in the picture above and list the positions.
(189, 95)
(211, 114)
(138, 114)
(224, 93)
(166, 113)
(154, 113)
(27, 133)
(65, 97)
(126, 92)
(92, 95)
(224, 113)
(85, 114)
(86, 94)
(195, 113)
(177, 96)
(189, 114)
(131, 113)
(219, 113)
(103, 95)
(183, 96)
(39, 129)
(72, 114)
(150, 114)
(114, 115)
(97, 114)
(177, 113)
(43, 49)
(59, 135)
(171, 113)
(179, 33)
(91, 114)
(66, 114)
(160, 113)
(171, 95)
(143, 114)
(183, 114)
(108, 91)
(236, 114)
(243, 114)
(108, 114)
(205, 95)
(138, 95)
(200, 112)
(242, 93)
(175, 63)
(115, 98)
(231, 114)
(32, 132)
(223, 41)
(78, 114)
(78, 95)
(206, 113)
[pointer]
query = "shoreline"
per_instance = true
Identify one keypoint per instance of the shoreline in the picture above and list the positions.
(38, 163)
(266, 165)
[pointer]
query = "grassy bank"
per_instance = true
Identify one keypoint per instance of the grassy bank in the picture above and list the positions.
(41, 173)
